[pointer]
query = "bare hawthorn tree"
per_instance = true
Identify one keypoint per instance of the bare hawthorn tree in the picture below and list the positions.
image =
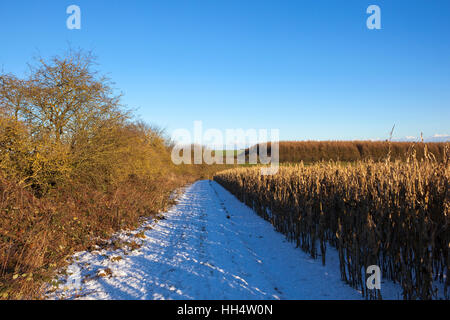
(62, 95)
(64, 102)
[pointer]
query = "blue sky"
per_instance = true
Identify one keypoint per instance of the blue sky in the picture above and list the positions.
(309, 68)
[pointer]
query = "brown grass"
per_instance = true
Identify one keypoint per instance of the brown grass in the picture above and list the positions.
(36, 235)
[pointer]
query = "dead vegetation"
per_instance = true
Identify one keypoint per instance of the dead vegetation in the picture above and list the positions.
(74, 168)
(394, 214)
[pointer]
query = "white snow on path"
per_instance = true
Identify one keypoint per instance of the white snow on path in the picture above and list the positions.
(209, 246)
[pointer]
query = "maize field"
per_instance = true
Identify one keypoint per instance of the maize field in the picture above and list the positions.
(391, 214)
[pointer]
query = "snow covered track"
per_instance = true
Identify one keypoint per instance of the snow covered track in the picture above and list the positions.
(209, 246)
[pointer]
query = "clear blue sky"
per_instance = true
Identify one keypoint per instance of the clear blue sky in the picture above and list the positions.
(309, 68)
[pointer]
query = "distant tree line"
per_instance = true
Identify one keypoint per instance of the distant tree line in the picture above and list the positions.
(349, 151)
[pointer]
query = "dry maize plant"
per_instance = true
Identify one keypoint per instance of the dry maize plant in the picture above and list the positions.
(391, 214)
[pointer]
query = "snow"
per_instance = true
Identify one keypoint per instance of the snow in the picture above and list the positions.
(209, 246)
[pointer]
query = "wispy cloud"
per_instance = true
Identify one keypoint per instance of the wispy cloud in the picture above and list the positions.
(440, 135)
